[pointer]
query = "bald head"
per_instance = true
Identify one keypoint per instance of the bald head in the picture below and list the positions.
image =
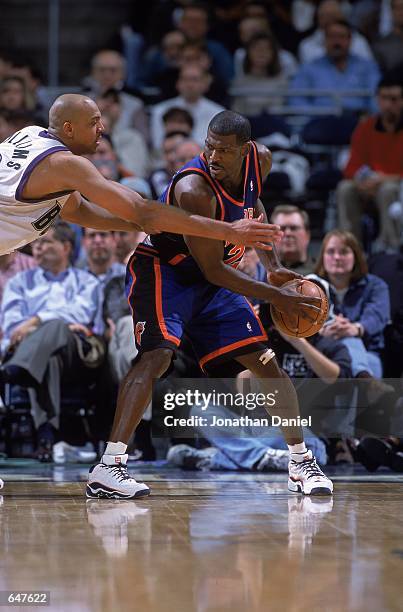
(76, 120)
(69, 107)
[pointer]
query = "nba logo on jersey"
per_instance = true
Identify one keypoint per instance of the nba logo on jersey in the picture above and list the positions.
(251, 185)
(140, 327)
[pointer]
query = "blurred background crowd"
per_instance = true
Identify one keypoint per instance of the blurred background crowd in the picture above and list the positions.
(322, 84)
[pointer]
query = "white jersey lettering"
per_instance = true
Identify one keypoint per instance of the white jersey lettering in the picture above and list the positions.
(21, 220)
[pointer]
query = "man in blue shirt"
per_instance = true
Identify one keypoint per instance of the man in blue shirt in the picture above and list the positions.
(100, 249)
(336, 72)
(47, 313)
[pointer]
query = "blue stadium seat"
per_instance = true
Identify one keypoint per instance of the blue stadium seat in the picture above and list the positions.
(265, 124)
(329, 130)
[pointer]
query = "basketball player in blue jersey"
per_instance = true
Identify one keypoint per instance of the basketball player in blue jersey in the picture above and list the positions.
(176, 283)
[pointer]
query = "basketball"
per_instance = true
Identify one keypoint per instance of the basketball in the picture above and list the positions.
(288, 323)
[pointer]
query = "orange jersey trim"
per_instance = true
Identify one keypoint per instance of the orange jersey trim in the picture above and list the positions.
(211, 183)
(257, 169)
(231, 347)
(177, 259)
(144, 249)
(134, 279)
(158, 303)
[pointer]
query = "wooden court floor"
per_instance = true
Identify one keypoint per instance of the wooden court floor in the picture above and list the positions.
(203, 543)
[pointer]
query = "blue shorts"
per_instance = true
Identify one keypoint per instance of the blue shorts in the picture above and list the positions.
(167, 300)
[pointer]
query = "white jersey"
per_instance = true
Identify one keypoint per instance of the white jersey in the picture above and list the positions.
(22, 220)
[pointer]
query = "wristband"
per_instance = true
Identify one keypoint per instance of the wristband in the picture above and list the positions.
(360, 330)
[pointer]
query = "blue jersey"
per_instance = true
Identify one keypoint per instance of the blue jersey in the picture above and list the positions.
(172, 247)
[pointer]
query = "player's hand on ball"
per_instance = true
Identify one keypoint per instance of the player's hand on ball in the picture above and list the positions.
(254, 233)
(282, 275)
(288, 300)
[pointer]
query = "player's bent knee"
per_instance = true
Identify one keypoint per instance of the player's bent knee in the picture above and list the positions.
(157, 361)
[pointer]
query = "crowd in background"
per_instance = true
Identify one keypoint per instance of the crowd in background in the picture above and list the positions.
(322, 83)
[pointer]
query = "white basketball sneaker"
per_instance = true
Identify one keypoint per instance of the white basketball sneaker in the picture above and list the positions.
(306, 477)
(113, 481)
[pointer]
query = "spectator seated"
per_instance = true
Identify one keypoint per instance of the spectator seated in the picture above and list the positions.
(374, 169)
(48, 314)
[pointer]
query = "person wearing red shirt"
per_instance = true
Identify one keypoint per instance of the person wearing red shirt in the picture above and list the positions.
(374, 170)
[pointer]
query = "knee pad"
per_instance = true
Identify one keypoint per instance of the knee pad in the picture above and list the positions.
(267, 356)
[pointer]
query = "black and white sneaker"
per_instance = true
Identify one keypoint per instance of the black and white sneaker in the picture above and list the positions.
(305, 476)
(114, 481)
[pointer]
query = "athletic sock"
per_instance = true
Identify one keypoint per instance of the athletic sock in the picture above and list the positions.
(297, 451)
(112, 450)
(115, 448)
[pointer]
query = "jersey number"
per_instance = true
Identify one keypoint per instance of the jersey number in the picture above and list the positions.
(43, 223)
(234, 255)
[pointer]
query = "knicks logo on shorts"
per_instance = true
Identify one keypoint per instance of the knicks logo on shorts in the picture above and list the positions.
(140, 327)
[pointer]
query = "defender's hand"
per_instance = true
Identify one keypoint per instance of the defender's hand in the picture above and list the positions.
(254, 233)
(282, 275)
(288, 300)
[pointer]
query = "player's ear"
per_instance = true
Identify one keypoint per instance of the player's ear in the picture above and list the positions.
(68, 129)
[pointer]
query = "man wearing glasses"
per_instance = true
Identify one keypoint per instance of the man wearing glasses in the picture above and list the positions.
(293, 249)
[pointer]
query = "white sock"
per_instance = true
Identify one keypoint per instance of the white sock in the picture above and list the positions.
(115, 448)
(297, 451)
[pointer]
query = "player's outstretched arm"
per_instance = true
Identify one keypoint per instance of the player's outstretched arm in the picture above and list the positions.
(79, 174)
(80, 211)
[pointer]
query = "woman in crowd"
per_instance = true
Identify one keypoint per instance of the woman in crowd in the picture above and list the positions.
(361, 302)
(14, 95)
(262, 76)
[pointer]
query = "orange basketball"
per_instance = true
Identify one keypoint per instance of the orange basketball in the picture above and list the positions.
(288, 323)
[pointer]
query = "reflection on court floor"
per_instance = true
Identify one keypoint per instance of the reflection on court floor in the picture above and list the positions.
(202, 542)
